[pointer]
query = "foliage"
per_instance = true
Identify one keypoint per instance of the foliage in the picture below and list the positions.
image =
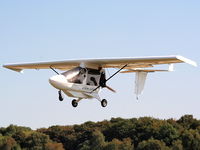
(177, 145)
(152, 144)
(191, 139)
(144, 133)
(54, 146)
(8, 143)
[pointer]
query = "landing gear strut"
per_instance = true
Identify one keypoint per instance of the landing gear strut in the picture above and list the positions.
(60, 96)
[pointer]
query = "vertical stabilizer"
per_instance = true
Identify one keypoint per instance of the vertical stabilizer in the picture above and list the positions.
(140, 79)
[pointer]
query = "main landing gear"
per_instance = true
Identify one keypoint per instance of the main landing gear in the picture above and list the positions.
(104, 103)
(76, 101)
(61, 98)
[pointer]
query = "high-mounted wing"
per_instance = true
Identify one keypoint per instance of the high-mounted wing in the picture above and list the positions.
(133, 62)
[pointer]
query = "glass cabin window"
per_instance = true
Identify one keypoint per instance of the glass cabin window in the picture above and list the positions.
(76, 75)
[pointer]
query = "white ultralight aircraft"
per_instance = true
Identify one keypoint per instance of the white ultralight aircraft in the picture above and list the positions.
(85, 77)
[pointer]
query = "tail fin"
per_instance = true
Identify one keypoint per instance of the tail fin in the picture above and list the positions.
(140, 79)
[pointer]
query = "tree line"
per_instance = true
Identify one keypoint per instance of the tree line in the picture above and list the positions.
(145, 133)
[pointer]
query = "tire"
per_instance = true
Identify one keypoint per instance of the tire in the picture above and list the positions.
(60, 96)
(104, 103)
(74, 103)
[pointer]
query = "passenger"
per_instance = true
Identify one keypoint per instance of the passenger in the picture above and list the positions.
(80, 77)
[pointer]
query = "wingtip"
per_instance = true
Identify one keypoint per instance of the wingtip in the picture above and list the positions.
(186, 60)
(16, 70)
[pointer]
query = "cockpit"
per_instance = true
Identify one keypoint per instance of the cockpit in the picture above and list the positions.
(85, 76)
(76, 75)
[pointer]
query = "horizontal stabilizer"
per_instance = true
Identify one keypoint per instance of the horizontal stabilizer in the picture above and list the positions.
(171, 68)
(142, 70)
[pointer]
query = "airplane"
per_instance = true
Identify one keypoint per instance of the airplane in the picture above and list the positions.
(85, 78)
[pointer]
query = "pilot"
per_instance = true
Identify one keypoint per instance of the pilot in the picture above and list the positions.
(80, 77)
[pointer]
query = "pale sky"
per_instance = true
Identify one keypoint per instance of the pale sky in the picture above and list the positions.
(59, 30)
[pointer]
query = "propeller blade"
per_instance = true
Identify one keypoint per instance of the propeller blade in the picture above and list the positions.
(111, 89)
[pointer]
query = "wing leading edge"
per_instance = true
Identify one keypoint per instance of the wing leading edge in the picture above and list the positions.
(133, 62)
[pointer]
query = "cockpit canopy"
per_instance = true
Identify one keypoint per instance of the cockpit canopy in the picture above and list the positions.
(81, 75)
(76, 75)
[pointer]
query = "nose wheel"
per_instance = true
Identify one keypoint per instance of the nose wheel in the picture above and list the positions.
(61, 98)
(104, 103)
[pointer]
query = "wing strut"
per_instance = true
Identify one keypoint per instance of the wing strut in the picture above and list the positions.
(110, 78)
(54, 70)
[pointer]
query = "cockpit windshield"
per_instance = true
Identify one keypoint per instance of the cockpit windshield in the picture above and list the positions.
(76, 75)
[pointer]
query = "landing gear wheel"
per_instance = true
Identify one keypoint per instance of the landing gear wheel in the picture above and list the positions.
(74, 103)
(60, 96)
(104, 103)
